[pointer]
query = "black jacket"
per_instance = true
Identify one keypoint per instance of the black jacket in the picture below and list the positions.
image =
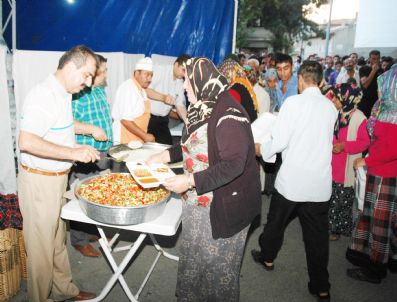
(233, 173)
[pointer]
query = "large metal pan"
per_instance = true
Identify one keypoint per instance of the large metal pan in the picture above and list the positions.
(119, 215)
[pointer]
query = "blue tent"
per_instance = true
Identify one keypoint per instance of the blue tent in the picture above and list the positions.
(168, 27)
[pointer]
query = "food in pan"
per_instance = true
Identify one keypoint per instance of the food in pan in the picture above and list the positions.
(119, 190)
(134, 144)
(162, 170)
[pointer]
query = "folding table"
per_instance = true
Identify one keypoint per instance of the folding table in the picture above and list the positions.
(167, 224)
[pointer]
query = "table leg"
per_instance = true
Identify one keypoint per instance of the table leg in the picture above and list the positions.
(161, 250)
(118, 270)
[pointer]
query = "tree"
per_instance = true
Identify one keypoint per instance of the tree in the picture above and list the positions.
(284, 18)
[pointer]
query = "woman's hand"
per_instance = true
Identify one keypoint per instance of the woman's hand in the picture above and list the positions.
(159, 158)
(338, 147)
(257, 149)
(179, 183)
(359, 162)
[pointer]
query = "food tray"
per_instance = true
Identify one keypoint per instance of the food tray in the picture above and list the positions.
(149, 176)
(137, 155)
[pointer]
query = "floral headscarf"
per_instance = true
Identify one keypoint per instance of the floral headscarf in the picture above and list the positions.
(350, 96)
(207, 84)
(388, 92)
(234, 73)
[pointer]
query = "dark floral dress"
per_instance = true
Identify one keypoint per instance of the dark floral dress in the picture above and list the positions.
(208, 269)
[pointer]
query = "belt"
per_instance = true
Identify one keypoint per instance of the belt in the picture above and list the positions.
(46, 173)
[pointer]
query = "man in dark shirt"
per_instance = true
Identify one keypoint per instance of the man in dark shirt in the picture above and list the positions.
(368, 75)
(329, 63)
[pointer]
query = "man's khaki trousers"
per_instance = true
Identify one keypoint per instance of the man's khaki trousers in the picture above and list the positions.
(49, 273)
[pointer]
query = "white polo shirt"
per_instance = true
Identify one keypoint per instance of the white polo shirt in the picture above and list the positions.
(47, 113)
(163, 82)
(303, 132)
(128, 104)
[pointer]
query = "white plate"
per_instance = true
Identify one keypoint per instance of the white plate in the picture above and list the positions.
(149, 176)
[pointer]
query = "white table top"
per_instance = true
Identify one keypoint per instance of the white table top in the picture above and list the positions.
(167, 224)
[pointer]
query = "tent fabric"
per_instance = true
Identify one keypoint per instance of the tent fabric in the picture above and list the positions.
(7, 171)
(32, 67)
(168, 27)
(376, 23)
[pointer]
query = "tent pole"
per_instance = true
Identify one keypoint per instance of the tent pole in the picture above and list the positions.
(14, 25)
(328, 30)
(235, 26)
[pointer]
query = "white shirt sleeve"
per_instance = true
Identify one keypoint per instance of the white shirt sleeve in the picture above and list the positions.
(281, 132)
(39, 112)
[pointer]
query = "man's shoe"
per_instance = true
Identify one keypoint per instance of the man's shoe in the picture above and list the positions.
(83, 296)
(87, 250)
(361, 275)
(323, 297)
(257, 256)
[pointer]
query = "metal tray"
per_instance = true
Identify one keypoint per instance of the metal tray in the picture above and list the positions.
(146, 146)
(119, 215)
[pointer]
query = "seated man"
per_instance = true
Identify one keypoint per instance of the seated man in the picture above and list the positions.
(131, 107)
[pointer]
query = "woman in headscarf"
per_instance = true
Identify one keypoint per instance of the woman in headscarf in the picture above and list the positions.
(220, 188)
(271, 80)
(373, 245)
(350, 140)
(240, 87)
(262, 96)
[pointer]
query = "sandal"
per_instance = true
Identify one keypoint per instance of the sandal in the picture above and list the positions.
(257, 256)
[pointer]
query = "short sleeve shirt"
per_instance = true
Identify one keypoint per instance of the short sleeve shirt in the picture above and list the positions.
(47, 113)
(163, 82)
(129, 104)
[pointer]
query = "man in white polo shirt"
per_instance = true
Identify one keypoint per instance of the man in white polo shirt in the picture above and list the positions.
(303, 133)
(171, 85)
(131, 107)
(48, 150)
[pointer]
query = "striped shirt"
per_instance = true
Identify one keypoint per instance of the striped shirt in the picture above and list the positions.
(91, 106)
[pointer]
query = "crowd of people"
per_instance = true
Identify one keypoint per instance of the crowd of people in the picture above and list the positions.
(333, 117)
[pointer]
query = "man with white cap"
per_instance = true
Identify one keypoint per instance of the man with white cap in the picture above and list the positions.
(131, 107)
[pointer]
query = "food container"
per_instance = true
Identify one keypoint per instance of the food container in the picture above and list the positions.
(119, 215)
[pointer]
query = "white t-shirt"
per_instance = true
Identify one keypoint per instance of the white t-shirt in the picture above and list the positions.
(128, 104)
(343, 77)
(263, 99)
(163, 82)
(303, 132)
(47, 113)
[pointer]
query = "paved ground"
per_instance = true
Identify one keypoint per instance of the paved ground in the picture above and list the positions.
(288, 282)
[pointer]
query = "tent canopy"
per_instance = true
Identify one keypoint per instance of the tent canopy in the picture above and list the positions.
(169, 27)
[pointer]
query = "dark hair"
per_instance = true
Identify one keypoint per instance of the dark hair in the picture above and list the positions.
(182, 59)
(78, 55)
(240, 55)
(361, 61)
(338, 62)
(283, 58)
(374, 53)
(345, 57)
(231, 56)
(351, 81)
(387, 59)
(311, 71)
(354, 53)
(101, 59)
